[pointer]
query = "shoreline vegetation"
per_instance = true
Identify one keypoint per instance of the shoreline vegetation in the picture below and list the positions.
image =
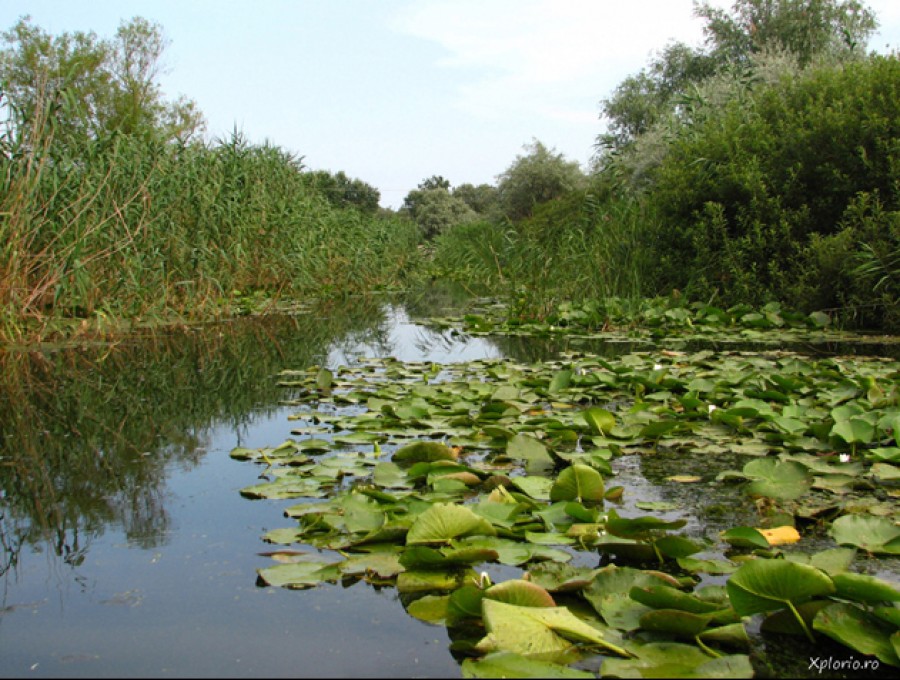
(760, 168)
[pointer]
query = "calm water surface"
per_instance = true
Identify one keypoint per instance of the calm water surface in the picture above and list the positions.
(125, 546)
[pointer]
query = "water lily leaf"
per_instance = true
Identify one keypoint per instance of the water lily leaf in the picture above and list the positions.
(608, 594)
(578, 483)
(785, 621)
(745, 537)
(858, 630)
(560, 381)
(785, 480)
(419, 452)
(299, 575)
(423, 557)
(854, 430)
(864, 588)
(675, 621)
(677, 660)
(382, 565)
(639, 527)
(521, 593)
(731, 635)
(762, 585)
(324, 380)
(873, 534)
(525, 447)
(512, 665)
(666, 597)
(542, 632)
(534, 486)
(556, 577)
(284, 536)
(417, 581)
(676, 546)
(429, 608)
(444, 521)
(831, 561)
(599, 419)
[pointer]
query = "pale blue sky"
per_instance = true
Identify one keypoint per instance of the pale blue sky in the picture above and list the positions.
(394, 91)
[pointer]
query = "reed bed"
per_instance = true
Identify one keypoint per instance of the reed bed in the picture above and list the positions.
(128, 227)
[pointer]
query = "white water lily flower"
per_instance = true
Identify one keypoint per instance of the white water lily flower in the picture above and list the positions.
(844, 457)
(712, 407)
(656, 367)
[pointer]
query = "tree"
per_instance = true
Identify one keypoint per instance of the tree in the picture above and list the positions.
(536, 177)
(345, 192)
(96, 86)
(482, 198)
(802, 29)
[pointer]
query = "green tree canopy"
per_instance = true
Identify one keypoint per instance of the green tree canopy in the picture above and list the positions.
(538, 176)
(95, 86)
(345, 192)
(802, 29)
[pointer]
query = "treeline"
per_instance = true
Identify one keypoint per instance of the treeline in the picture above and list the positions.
(112, 206)
(761, 166)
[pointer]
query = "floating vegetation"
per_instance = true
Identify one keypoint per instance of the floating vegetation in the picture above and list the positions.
(436, 480)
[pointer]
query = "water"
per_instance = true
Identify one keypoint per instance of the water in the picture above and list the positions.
(125, 546)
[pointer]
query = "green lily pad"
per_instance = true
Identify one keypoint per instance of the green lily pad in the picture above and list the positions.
(419, 452)
(762, 585)
(677, 660)
(784, 480)
(512, 665)
(521, 593)
(864, 588)
(855, 628)
(578, 483)
(873, 534)
(600, 420)
(299, 575)
(533, 452)
(445, 521)
(537, 632)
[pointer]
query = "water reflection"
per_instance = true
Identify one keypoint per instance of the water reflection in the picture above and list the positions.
(88, 433)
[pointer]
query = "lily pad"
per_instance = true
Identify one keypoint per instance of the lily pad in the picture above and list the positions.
(537, 632)
(873, 534)
(578, 483)
(512, 665)
(445, 521)
(855, 628)
(677, 660)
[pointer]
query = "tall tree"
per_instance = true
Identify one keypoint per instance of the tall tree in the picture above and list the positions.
(800, 28)
(97, 86)
(538, 176)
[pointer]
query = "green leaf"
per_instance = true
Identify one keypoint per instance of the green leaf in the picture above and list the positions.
(864, 588)
(444, 521)
(512, 665)
(578, 483)
(853, 627)
(419, 452)
(533, 452)
(600, 420)
(873, 534)
(762, 585)
(785, 480)
(541, 632)
(299, 575)
(677, 660)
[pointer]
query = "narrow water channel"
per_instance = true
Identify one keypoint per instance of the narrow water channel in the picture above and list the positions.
(126, 549)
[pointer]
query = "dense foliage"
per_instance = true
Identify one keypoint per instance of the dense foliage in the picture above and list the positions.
(759, 167)
(111, 212)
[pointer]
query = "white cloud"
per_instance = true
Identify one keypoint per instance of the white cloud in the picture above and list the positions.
(554, 58)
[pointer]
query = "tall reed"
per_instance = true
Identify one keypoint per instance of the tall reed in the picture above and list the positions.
(129, 227)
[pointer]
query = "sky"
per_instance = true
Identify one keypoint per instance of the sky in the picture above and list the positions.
(395, 91)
